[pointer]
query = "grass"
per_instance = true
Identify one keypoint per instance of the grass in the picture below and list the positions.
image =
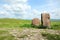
(19, 24)
(4, 35)
(9, 37)
(13, 23)
(51, 36)
(55, 25)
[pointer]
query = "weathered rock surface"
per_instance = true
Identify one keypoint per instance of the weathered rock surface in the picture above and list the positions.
(45, 20)
(36, 22)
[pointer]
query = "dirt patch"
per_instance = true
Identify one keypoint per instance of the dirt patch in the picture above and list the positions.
(32, 34)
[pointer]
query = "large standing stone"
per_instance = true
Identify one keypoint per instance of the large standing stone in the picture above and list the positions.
(45, 20)
(35, 22)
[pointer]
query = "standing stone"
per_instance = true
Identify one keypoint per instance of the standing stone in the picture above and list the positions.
(45, 20)
(35, 22)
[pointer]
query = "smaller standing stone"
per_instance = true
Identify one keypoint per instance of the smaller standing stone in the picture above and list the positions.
(35, 22)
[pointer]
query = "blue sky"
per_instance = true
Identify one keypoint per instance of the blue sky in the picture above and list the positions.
(29, 9)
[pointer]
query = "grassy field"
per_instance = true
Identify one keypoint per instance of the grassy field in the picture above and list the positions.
(20, 24)
(55, 25)
(51, 36)
(4, 35)
(6, 23)
(13, 23)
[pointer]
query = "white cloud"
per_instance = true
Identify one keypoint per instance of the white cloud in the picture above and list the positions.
(52, 7)
(16, 1)
(16, 9)
(21, 9)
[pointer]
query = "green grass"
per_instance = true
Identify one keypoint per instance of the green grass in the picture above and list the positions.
(4, 35)
(55, 25)
(51, 36)
(19, 24)
(13, 23)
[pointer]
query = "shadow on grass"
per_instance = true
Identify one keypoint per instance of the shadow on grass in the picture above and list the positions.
(33, 26)
(40, 26)
(26, 26)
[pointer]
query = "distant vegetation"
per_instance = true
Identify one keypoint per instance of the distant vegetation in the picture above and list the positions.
(11, 23)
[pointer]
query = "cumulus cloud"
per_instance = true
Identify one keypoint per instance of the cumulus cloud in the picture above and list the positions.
(21, 9)
(52, 7)
(18, 9)
(15, 8)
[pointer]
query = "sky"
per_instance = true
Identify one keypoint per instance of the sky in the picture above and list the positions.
(29, 9)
